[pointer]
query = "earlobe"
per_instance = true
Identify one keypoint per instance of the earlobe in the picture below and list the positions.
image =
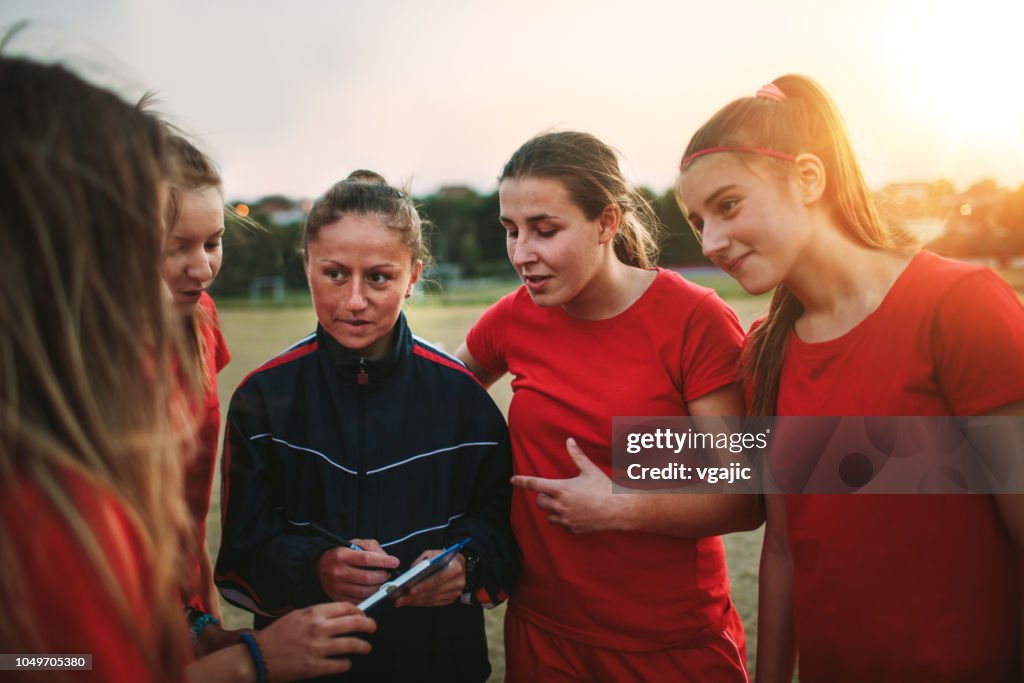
(810, 172)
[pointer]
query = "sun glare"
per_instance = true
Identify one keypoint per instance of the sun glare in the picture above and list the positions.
(965, 69)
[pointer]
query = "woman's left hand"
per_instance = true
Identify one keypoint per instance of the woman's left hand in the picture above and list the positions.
(443, 588)
(581, 504)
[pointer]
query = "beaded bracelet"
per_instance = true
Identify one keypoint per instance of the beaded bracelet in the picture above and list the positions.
(202, 622)
(257, 657)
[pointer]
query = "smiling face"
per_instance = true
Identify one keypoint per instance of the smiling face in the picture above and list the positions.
(753, 224)
(555, 250)
(359, 273)
(193, 253)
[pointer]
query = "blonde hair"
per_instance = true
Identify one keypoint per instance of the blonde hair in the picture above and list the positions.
(589, 170)
(195, 171)
(802, 120)
(86, 341)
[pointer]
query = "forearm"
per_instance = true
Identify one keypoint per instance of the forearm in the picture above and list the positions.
(210, 596)
(229, 664)
(686, 515)
(776, 636)
(278, 574)
(497, 564)
(488, 521)
(261, 556)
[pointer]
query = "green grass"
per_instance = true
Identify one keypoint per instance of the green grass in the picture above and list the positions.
(256, 334)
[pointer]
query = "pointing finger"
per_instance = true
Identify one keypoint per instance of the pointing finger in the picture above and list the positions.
(537, 484)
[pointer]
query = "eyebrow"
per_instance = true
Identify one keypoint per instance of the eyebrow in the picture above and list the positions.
(714, 195)
(530, 219)
(182, 238)
(386, 264)
(694, 215)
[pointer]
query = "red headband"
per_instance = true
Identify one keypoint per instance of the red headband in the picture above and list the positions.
(769, 92)
(739, 148)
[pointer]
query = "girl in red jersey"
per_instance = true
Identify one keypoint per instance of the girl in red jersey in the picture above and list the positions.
(613, 587)
(91, 509)
(192, 258)
(880, 588)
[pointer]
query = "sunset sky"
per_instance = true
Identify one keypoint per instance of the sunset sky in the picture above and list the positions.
(291, 96)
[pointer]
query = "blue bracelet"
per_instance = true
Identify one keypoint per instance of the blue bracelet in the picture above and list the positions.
(257, 657)
(202, 622)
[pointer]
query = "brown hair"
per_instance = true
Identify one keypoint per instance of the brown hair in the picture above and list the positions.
(590, 171)
(804, 121)
(86, 340)
(366, 192)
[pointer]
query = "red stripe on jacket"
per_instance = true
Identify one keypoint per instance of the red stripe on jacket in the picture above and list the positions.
(424, 352)
(303, 350)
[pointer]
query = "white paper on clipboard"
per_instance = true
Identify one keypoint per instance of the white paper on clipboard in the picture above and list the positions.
(401, 584)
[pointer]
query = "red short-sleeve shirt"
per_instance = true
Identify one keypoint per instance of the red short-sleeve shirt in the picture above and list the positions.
(199, 466)
(679, 341)
(909, 588)
(65, 600)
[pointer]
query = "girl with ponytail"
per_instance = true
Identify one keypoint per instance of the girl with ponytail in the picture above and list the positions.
(597, 330)
(860, 323)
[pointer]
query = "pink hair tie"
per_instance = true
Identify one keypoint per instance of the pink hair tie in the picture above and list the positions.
(739, 148)
(771, 92)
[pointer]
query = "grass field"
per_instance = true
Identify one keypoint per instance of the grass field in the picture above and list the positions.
(254, 335)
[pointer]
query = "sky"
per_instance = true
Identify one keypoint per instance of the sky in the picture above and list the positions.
(291, 96)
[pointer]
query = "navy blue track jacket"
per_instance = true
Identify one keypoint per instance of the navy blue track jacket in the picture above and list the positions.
(416, 457)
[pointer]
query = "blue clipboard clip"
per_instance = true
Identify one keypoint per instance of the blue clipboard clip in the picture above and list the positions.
(400, 585)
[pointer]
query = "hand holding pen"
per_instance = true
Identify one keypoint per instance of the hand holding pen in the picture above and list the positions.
(333, 537)
(355, 569)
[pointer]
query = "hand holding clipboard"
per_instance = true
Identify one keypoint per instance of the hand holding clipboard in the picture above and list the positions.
(430, 567)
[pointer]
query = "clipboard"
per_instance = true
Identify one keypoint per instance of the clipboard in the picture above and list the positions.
(400, 585)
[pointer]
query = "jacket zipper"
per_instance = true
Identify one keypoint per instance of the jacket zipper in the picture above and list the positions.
(362, 381)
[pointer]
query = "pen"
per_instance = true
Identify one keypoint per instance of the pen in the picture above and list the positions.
(331, 536)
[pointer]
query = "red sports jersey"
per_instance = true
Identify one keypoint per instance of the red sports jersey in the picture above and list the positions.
(199, 467)
(909, 588)
(618, 590)
(65, 601)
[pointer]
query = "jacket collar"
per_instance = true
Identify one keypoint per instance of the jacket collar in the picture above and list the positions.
(349, 363)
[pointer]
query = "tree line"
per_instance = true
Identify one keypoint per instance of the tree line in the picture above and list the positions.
(467, 241)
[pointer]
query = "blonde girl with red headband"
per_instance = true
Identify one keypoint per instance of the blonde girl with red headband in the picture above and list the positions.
(880, 588)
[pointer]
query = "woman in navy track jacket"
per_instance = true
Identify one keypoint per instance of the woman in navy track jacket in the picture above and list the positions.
(371, 434)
